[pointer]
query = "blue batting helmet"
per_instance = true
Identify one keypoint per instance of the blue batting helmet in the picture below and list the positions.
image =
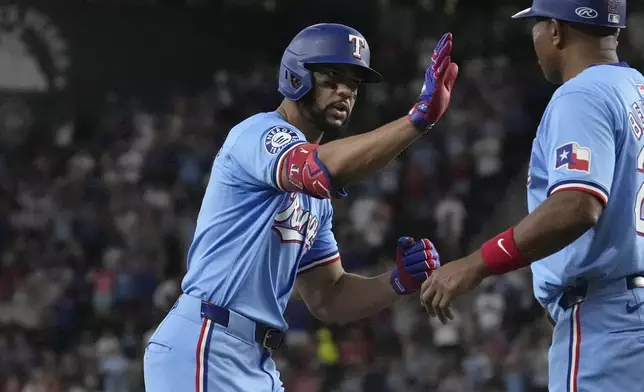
(601, 13)
(324, 43)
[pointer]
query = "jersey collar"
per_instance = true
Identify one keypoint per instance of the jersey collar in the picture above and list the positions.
(620, 64)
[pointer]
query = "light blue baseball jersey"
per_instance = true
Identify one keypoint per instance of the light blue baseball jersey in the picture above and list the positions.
(253, 238)
(590, 139)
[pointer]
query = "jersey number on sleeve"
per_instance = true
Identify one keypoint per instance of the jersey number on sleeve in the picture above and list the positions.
(636, 119)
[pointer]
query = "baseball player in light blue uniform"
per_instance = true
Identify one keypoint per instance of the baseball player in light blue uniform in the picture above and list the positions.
(585, 232)
(265, 222)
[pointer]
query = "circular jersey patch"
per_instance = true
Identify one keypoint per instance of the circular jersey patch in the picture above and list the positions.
(279, 137)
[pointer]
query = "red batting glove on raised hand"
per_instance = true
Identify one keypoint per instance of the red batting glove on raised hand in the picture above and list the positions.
(437, 89)
(415, 261)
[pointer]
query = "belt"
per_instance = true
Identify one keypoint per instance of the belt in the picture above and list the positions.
(268, 337)
(574, 295)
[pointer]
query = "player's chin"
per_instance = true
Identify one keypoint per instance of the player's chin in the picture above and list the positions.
(336, 122)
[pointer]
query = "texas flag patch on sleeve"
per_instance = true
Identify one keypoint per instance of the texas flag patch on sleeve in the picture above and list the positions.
(572, 156)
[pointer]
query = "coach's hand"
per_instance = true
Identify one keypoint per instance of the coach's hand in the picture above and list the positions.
(415, 262)
(451, 280)
(437, 88)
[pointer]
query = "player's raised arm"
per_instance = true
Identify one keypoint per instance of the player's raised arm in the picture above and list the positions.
(320, 73)
(321, 170)
(351, 159)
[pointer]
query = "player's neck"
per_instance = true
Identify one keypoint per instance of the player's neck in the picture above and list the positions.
(293, 116)
(582, 58)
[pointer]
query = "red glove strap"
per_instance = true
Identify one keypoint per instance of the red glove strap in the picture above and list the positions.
(500, 254)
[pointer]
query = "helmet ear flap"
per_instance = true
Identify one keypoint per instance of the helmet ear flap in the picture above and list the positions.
(294, 82)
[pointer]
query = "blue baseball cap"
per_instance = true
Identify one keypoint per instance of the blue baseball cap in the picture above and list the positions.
(601, 13)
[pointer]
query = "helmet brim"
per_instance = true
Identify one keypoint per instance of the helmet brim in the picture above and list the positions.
(525, 14)
(369, 75)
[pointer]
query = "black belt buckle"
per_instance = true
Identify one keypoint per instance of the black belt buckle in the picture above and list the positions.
(573, 295)
(273, 338)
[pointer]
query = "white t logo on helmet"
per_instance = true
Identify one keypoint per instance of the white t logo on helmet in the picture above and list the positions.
(359, 44)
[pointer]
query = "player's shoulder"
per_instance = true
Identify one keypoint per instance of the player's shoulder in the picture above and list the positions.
(576, 95)
(600, 82)
(584, 84)
(267, 129)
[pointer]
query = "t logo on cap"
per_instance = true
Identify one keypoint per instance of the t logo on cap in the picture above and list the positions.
(359, 43)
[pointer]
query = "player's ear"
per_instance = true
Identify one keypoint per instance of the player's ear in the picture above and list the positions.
(617, 35)
(557, 33)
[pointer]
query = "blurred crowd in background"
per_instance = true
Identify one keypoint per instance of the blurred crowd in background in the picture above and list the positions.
(101, 179)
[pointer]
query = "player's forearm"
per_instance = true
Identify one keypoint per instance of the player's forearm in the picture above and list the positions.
(559, 221)
(355, 297)
(555, 224)
(351, 159)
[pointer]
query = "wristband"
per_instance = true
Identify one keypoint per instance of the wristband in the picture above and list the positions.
(417, 118)
(396, 284)
(501, 255)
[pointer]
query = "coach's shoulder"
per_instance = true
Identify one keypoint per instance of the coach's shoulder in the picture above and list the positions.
(590, 83)
(579, 90)
(573, 86)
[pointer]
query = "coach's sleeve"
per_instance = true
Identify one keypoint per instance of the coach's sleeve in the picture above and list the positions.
(260, 153)
(324, 249)
(579, 145)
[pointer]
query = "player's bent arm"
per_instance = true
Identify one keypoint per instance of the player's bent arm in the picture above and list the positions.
(321, 170)
(556, 223)
(351, 159)
(334, 296)
(580, 142)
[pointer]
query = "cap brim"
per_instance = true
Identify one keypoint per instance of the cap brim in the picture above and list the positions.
(526, 13)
